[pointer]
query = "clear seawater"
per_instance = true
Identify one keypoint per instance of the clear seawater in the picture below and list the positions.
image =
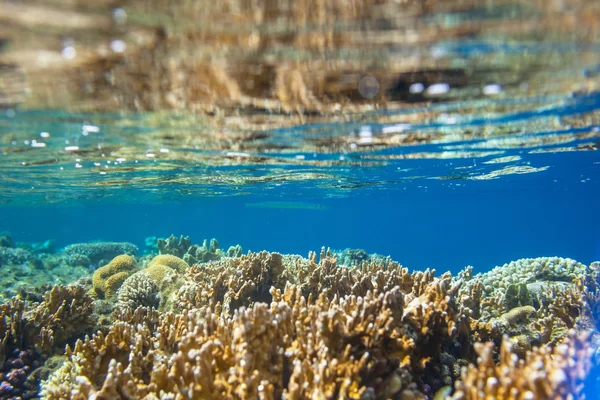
(136, 120)
(499, 162)
(442, 209)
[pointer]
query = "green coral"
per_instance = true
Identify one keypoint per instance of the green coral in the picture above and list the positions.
(173, 245)
(235, 251)
(209, 251)
(107, 279)
(170, 261)
(517, 295)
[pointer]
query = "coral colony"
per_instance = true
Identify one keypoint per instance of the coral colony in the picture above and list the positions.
(188, 321)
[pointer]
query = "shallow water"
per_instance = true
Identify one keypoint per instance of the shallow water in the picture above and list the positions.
(439, 135)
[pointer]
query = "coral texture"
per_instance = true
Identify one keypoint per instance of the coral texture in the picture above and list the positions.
(107, 279)
(100, 251)
(267, 326)
(193, 253)
(544, 373)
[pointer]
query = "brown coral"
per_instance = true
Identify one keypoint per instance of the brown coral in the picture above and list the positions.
(545, 373)
(107, 279)
(270, 326)
(65, 314)
(296, 347)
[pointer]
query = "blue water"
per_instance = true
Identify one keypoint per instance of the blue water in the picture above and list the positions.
(421, 223)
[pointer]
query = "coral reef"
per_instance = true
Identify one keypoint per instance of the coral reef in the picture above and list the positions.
(6, 240)
(266, 325)
(46, 247)
(14, 256)
(544, 373)
(293, 348)
(173, 245)
(182, 247)
(99, 252)
(25, 268)
(27, 335)
(350, 257)
(533, 301)
(107, 279)
(139, 290)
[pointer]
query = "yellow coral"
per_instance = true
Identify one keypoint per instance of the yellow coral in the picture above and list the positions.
(519, 315)
(170, 261)
(107, 279)
(113, 283)
(158, 272)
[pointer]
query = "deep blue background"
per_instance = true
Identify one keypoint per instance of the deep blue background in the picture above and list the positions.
(481, 223)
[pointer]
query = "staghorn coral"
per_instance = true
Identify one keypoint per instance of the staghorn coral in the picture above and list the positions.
(107, 279)
(278, 332)
(28, 334)
(544, 373)
(65, 314)
(293, 348)
(268, 326)
(99, 251)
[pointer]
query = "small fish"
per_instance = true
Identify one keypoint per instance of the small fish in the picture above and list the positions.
(288, 205)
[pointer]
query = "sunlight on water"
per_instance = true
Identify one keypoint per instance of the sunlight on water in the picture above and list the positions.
(456, 136)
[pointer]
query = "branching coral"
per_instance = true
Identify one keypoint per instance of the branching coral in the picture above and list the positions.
(548, 293)
(269, 326)
(65, 314)
(275, 341)
(544, 373)
(193, 254)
